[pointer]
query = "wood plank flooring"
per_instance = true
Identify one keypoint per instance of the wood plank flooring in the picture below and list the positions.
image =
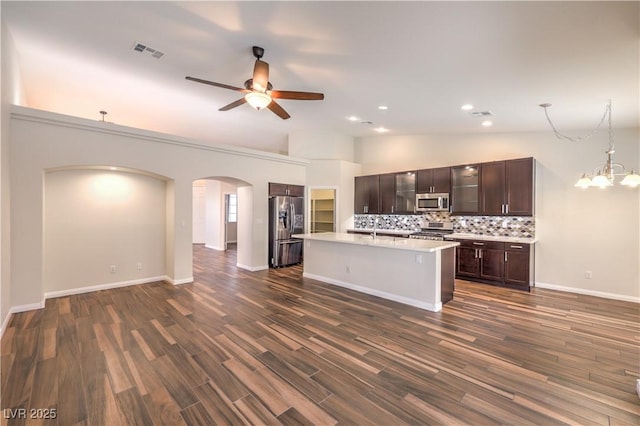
(270, 347)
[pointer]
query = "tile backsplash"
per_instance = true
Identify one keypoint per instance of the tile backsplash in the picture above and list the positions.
(497, 226)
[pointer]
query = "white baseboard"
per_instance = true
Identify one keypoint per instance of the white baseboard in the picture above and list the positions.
(214, 248)
(252, 268)
(106, 286)
(401, 299)
(17, 309)
(586, 292)
(180, 281)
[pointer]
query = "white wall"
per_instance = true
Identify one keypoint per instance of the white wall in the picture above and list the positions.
(12, 92)
(94, 219)
(577, 230)
(321, 146)
(199, 211)
(42, 141)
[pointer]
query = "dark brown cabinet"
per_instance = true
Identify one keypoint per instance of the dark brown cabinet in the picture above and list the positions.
(499, 188)
(390, 193)
(495, 262)
(518, 264)
(507, 187)
(404, 193)
(276, 189)
(387, 192)
(433, 180)
(366, 189)
(465, 189)
(519, 186)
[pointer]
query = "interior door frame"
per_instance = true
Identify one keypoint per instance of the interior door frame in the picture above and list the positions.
(336, 206)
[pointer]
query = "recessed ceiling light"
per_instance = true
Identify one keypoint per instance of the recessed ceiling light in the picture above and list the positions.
(466, 107)
(113, 168)
(383, 107)
(381, 129)
(353, 118)
(487, 123)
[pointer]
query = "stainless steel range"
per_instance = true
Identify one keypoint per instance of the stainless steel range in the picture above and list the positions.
(433, 231)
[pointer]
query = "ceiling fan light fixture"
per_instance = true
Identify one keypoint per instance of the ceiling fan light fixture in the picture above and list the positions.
(258, 100)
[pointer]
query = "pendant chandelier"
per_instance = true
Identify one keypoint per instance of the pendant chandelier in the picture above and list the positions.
(604, 176)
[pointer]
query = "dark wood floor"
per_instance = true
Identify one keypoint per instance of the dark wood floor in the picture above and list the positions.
(269, 347)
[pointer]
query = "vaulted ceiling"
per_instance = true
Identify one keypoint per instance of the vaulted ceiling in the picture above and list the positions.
(421, 59)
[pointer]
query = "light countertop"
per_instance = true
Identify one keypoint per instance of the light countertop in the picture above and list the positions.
(381, 231)
(380, 241)
(463, 236)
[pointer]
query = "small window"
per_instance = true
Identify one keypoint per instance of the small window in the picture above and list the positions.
(232, 208)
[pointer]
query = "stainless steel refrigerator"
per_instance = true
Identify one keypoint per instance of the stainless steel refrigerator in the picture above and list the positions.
(286, 217)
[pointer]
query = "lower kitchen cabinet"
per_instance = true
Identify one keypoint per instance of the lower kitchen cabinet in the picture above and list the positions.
(518, 264)
(495, 262)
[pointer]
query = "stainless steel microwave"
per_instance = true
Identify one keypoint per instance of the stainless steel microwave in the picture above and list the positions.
(432, 202)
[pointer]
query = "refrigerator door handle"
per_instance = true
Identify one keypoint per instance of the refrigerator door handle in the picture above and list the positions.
(292, 219)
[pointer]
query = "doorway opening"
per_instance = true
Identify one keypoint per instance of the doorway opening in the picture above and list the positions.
(215, 212)
(322, 210)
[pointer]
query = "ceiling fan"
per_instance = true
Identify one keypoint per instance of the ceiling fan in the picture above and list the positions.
(258, 90)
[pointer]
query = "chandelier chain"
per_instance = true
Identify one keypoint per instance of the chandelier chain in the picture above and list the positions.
(607, 114)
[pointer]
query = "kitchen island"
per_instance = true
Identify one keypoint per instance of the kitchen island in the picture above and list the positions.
(414, 272)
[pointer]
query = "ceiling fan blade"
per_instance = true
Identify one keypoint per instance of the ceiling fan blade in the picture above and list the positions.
(278, 110)
(213, 83)
(233, 104)
(301, 96)
(260, 76)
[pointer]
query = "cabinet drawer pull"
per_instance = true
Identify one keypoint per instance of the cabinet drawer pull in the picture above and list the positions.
(478, 244)
(516, 247)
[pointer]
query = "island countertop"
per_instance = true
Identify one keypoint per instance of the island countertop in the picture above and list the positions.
(379, 241)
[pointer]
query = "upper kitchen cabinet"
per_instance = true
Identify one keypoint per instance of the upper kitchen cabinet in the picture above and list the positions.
(405, 194)
(433, 180)
(366, 191)
(387, 195)
(465, 189)
(507, 187)
(398, 193)
(277, 189)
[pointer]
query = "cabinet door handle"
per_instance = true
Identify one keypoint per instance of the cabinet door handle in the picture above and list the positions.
(506, 208)
(392, 209)
(478, 244)
(475, 254)
(506, 256)
(480, 253)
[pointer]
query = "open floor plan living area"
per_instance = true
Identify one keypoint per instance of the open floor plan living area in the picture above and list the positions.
(320, 212)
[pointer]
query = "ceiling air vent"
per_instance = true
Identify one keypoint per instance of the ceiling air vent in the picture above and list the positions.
(481, 113)
(146, 50)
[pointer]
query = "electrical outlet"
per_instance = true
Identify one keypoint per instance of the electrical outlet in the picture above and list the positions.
(139, 266)
(588, 274)
(112, 269)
